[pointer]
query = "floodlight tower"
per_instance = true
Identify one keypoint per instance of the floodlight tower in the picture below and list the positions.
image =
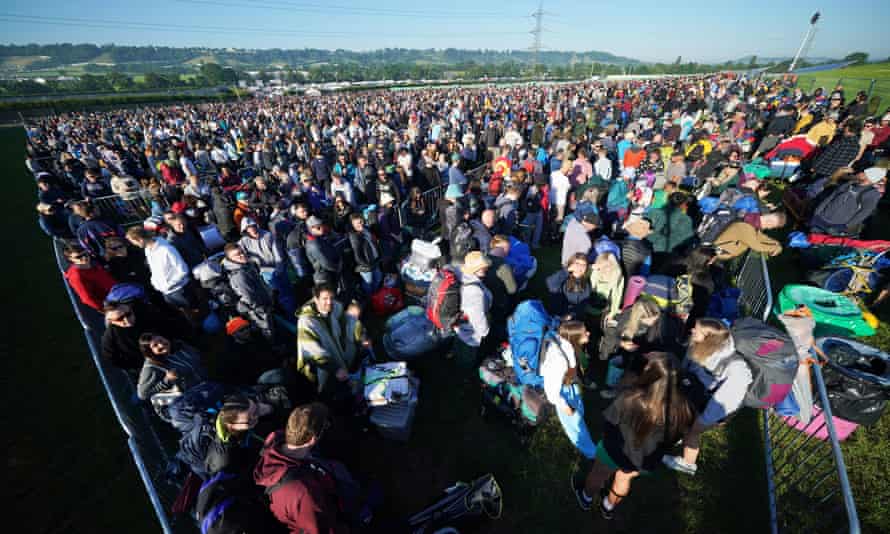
(806, 43)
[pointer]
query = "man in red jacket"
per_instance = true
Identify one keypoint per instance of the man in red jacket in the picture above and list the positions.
(89, 280)
(306, 492)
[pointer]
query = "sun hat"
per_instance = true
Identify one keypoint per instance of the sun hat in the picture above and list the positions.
(473, 262)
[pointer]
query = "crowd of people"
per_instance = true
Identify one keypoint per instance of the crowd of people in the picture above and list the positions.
(317, 200)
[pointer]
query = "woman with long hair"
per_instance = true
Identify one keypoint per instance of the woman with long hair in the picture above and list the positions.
(570, 288)
(170, 367)
(649, 414)
(606, 285)
(641, 328)
(560, 369)
(718, 383)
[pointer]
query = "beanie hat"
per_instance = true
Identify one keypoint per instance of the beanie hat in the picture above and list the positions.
(235, 324)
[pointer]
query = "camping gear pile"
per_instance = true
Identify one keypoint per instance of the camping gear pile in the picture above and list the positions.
(391, 391)
(511, 383)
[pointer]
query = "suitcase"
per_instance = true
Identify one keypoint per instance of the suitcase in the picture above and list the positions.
(394, 421)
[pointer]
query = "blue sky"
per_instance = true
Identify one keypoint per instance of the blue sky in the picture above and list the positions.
(650, 30)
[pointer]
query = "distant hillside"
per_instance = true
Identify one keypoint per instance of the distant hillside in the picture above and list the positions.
(143, 58)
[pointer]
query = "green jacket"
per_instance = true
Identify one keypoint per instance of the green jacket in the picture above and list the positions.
(671, 229)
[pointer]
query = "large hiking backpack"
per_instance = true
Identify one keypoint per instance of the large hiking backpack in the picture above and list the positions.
(771, 355)
(462, 241)
(443, 300)
(524, 405)
(836, 210)
(528, 329)
(228, 504)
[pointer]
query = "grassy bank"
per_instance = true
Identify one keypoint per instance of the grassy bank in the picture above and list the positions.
(854, 79)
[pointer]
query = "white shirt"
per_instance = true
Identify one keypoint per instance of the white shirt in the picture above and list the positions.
(603, 168)
(559, 188)
(558, 358)
(169, 271)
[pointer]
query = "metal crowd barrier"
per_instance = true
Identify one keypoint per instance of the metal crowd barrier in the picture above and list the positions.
(125, 209)
(149, 454)
(756, 298)
(807, 482)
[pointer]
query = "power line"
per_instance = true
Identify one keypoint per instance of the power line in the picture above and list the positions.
(182, 28)
(276, 5)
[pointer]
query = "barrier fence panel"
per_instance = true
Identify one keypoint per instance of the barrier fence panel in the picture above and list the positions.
(807, 480)
(125, 209)
(756, 298)
(149, 454)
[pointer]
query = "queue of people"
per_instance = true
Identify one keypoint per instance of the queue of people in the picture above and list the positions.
(318, 199)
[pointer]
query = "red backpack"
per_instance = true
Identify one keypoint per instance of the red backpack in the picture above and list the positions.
(443, 300)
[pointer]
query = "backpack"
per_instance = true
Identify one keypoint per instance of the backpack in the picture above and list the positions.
(713, 224)
(443, 300)
(835, 209)
(462, 241)
(772, 357)
(528, 329)
(195, 404)
(670, 293)
(581, 209)
(532, 201)
(227, 504)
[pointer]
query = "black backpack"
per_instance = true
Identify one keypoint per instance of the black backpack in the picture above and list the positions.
(713, 224)
(835, 209)
(228, 504)
(462, 241)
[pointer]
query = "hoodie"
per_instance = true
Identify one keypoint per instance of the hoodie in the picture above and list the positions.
(309, 504)
(247, 283)
(507, 214)
(727, 377)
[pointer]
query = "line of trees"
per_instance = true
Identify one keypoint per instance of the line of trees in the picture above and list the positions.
(212, 75)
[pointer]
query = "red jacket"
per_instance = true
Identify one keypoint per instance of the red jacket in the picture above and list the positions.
(91, 285)
(307, 505)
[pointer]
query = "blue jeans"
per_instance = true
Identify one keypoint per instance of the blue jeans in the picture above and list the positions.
(371, 281)
(183, 298)
(574, 425)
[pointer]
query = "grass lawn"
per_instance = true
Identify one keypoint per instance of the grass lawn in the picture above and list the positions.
(854, 79)
(70, 470)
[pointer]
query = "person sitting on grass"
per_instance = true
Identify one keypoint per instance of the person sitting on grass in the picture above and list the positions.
(648, 415)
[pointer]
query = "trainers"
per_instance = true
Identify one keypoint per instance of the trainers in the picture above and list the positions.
(678, 464)
(603, 495)
(579, 494)
(608, 393)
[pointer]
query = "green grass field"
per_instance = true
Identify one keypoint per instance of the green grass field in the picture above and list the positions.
(854, 79)
(70, 470)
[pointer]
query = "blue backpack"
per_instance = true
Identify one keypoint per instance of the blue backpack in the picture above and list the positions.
(528, 329)
(126, 293)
